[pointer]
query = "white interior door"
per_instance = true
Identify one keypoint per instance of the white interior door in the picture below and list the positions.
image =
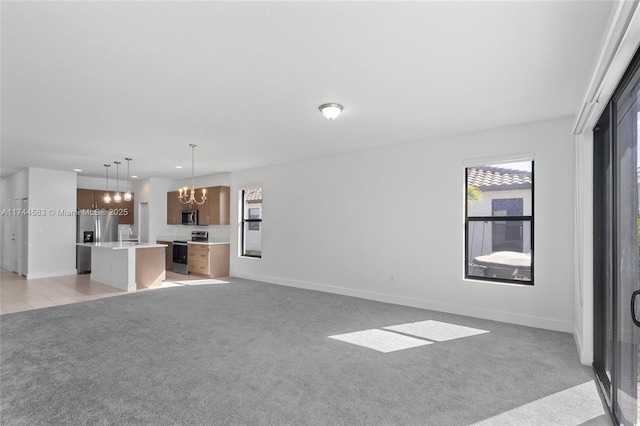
(15, 235)
(24, 239)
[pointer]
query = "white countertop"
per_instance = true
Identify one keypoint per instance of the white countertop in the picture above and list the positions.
(114, 245)
(211, 241)
(171, 238)
(207, 243)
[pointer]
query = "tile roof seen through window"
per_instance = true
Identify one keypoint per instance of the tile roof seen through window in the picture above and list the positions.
(253, 195)
(490, 178)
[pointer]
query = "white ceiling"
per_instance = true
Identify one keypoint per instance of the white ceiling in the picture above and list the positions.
(85, 83)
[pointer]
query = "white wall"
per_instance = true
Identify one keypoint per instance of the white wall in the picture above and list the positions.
(407, 246)
(222, 179)
(583, 286)
(155, 193)
(89, 182)
(52, 237)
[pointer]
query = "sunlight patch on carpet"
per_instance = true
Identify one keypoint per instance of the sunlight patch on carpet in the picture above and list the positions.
(552, 409)
(435, 330)
(201, 282)
(165, 284)
(379, 340)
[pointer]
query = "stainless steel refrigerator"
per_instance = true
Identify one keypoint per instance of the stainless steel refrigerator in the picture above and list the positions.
(93, 226)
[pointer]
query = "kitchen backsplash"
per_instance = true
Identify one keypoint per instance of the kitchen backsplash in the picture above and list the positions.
(219, 232)
(216, 232)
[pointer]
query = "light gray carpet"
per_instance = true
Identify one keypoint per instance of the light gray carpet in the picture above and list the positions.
(250, 353)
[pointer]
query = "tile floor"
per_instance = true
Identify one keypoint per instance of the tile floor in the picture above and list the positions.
(19, 294)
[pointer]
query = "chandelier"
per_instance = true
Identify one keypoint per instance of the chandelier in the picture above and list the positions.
(189, 197)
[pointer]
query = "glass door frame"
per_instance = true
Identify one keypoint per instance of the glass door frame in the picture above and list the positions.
(614, 357)
(603, 225)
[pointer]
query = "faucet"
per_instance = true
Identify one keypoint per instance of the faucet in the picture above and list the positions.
(120, 232)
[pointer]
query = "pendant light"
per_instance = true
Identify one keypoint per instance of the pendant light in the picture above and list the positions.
(127, 195)
(191, 198)
(107, 197)
(117, 197)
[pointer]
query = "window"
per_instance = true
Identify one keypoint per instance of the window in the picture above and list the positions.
(499, 222)
(254, 213)
(507, 235)
(251, 229)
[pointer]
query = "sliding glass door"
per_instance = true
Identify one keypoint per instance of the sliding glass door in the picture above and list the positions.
(616, 250)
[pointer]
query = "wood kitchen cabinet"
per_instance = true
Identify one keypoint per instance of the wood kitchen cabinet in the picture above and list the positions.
(85, 199)
(174, 209)
(203, 209)
(214, 211)
(94, 199)
(100, 204)
(217, 206)
(208, 260)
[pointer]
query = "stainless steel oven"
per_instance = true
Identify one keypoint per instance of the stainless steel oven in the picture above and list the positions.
(181, 251)
(180, 257)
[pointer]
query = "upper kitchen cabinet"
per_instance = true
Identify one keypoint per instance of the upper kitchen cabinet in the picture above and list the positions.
(94, 199)
(174, 209)
(214, 211)
(86, 199)
(217, 210)
(91, 199)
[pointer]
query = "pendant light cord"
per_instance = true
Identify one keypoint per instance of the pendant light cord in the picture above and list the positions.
(106, 166)
(128, 175)
(117, 177)
(193, 159)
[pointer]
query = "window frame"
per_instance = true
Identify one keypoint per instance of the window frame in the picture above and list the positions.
(491, 219)
(246, 222)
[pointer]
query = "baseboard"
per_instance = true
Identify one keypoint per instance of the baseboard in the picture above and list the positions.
(586, 357)
(33, 276)
(508, 317)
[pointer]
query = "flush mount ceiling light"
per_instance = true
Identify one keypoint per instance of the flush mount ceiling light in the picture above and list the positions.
(190, 198)
(330, 111)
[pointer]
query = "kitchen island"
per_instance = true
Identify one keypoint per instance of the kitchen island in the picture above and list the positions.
(127, 265)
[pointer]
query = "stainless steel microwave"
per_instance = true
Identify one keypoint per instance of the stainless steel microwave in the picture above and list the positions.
(190, 217)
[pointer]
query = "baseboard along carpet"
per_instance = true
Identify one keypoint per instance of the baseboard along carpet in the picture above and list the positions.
(200, 282)
(249, 353)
